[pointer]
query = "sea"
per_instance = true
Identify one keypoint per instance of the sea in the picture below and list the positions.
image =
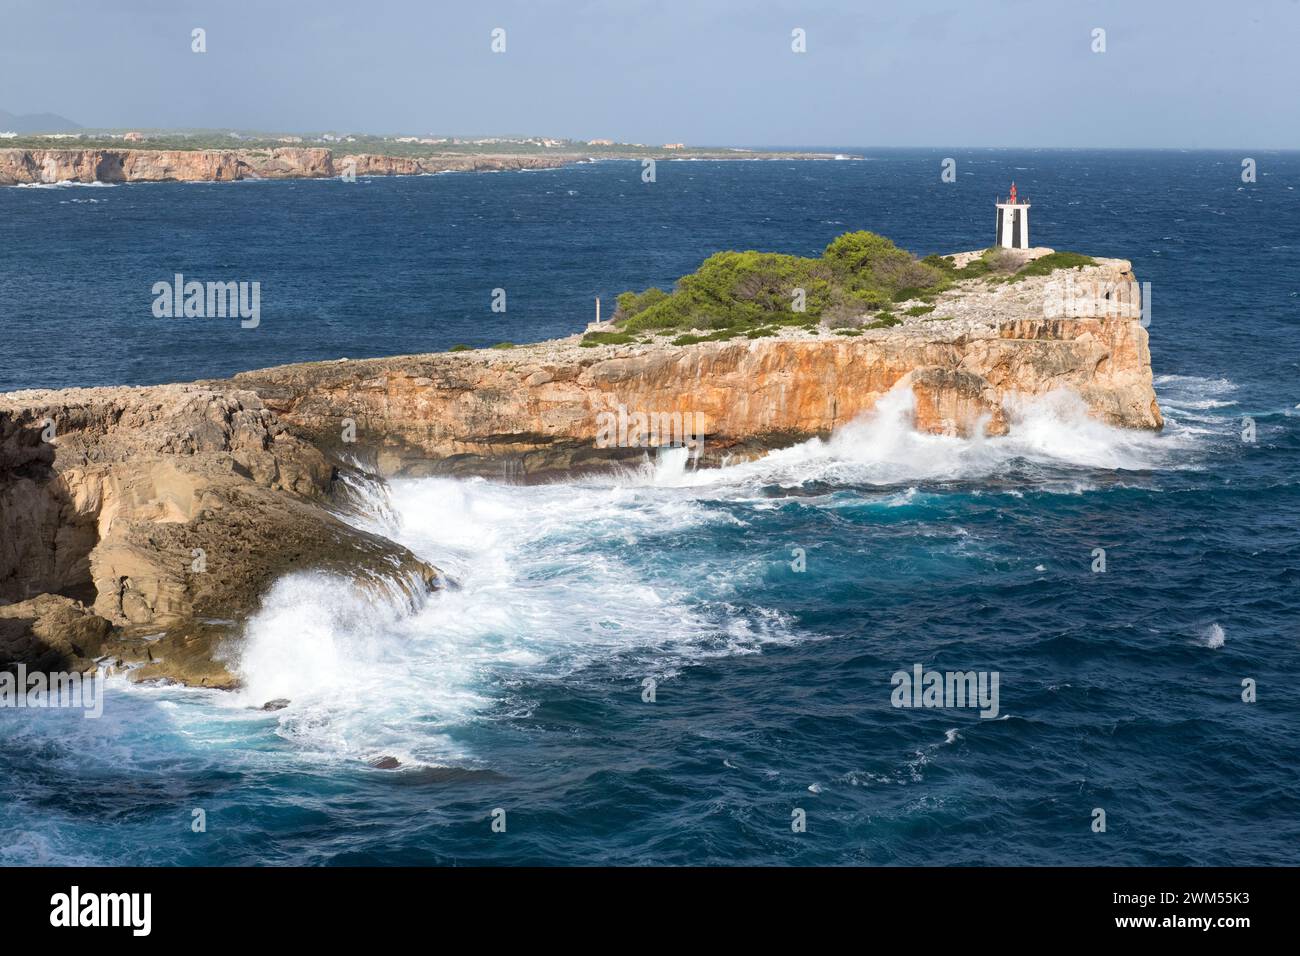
(680, 666)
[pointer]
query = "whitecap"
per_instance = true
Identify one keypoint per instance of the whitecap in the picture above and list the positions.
(1212, 637)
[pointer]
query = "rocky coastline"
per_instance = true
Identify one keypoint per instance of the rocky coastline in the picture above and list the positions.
(20, 167)
(39, 166)
(139, 526)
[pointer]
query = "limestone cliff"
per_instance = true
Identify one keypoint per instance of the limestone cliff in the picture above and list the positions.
(537, 408)
(29, 166)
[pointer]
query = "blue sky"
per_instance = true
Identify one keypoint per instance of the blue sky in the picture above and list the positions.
(1196, 73)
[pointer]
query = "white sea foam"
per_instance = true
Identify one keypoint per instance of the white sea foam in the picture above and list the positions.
(884, 449)
(1192, 399)
(553, 578)
(64, 184)
(542, 591)
(1212, 637)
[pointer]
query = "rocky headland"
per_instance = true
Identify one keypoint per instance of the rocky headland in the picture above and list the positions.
(531, 410)
(46, 166)
(140, 526)
(32, 166)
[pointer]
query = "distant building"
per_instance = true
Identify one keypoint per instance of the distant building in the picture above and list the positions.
(133, 137)
(600, 142)
(674, 145)
(290, 139)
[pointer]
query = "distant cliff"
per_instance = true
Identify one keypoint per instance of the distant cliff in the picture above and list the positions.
(28, 166)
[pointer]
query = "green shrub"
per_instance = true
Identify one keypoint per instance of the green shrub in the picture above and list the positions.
(632, 303)
(987, 261)
(592, 339)
(721, 336)
(460, 347)
(942, 263)
(856, 254)
(1049, 263)
(735, 293)
(737, 290)
(919, 310)
(504, 345)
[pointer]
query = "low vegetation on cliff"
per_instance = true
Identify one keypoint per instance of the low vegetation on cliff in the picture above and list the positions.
(855, 284)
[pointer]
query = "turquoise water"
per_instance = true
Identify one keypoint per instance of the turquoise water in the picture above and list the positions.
(522, 689)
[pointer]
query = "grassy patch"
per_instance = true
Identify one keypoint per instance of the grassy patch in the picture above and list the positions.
(919, 310)
(592, 339)
(1049, 263)
(460, 347)
(722, 335)
(885, 321)
(504, 345)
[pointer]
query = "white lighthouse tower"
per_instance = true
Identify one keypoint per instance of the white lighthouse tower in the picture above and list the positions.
(1013, 222)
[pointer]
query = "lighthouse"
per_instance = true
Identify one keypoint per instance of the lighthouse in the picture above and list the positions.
(1013, 222)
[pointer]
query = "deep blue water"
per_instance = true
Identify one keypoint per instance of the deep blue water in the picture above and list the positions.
(1118, 691)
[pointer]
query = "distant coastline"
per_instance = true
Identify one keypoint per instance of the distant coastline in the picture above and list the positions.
(47, 160)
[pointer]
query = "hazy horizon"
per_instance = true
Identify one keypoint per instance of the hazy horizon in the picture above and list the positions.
(1004, 74)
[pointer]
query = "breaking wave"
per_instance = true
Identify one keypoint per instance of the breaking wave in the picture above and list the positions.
(551, 579)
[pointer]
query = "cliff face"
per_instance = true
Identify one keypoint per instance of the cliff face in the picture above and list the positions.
(369, 164)
(161, 508)
(539, 408)
(27, 166)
